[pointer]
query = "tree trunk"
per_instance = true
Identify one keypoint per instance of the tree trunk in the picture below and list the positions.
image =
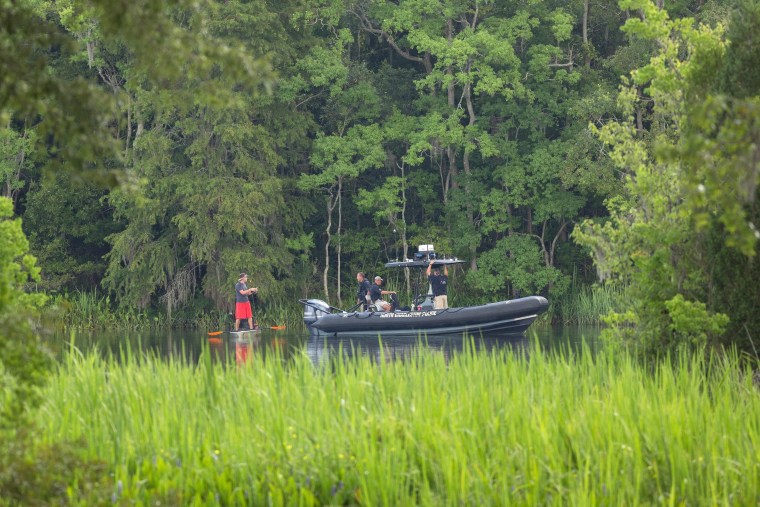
(129, 125)
(140, 127)
(451, 98)
(529, 218)
(468, 172)
(405, 245)
(451, 180)
(404, 242)
(339, 249)
(510, 222)
(585, 22)
(557, 236)
(585, 32)
(90, 49)
(330, 207)
(544, 250)
(12, 179)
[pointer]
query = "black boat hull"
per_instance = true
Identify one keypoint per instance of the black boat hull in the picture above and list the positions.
(506, 317)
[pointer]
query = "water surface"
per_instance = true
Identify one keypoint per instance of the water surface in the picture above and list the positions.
(188, 344)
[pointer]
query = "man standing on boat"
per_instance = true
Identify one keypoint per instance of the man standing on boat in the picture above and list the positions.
(364, 286)
(242, 304)
(376, 294)
(438, 282)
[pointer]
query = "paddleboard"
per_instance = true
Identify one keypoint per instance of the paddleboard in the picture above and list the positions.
(243, 331)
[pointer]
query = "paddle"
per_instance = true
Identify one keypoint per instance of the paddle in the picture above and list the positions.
(254, 299)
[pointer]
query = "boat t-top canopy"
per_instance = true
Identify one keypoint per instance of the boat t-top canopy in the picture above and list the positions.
(422, 259)
(411, 263)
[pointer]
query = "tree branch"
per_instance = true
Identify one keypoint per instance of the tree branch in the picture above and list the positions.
(367, 26)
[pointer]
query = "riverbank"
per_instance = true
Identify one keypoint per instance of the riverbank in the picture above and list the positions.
(474, 428)
(92, 311)
(584, 305)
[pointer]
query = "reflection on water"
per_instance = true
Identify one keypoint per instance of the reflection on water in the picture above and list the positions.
(187, 345)
(573, 338)
(322, 349)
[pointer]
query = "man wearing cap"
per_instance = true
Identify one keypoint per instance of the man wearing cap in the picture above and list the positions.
(376, 295)
(438, 282)
(242, 305)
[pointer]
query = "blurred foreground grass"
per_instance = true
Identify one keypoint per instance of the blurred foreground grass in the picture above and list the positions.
(477, 428)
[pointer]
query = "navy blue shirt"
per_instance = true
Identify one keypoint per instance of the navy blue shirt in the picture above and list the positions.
(438, 282)
(364, 287)
(375, 292)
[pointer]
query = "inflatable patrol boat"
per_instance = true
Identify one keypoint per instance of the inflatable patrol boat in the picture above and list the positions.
(505, 317)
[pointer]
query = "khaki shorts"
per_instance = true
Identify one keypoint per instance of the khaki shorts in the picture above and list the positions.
(380, 305)
(441, 302)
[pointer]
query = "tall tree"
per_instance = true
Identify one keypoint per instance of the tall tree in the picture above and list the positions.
(212, 205)
(691, 187)
(495, 83)
(341, 157)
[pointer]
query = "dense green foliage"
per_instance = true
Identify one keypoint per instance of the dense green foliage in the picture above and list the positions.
(155, 149)
(304, 140)
(31, 473)
(476, 428)
(682, 235)
(23, 362)
(55, 115)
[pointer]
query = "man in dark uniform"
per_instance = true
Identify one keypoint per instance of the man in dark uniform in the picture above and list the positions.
(364, 286)
(376, 294)
(438, 282)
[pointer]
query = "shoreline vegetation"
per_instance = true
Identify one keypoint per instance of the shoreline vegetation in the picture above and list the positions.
(475, 428)
(90, 310)
(151, 151)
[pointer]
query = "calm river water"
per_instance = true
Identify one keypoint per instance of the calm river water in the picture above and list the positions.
(189, 344)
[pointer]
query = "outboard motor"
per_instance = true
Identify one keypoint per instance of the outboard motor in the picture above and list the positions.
(313, 310)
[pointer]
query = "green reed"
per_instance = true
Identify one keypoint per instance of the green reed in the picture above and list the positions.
(586, 305)
(476, 429)
(91, 310)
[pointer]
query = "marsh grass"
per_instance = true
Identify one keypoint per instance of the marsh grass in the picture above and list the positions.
(587, 304)
(533, 428)
(279, 313)
(90, 310)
